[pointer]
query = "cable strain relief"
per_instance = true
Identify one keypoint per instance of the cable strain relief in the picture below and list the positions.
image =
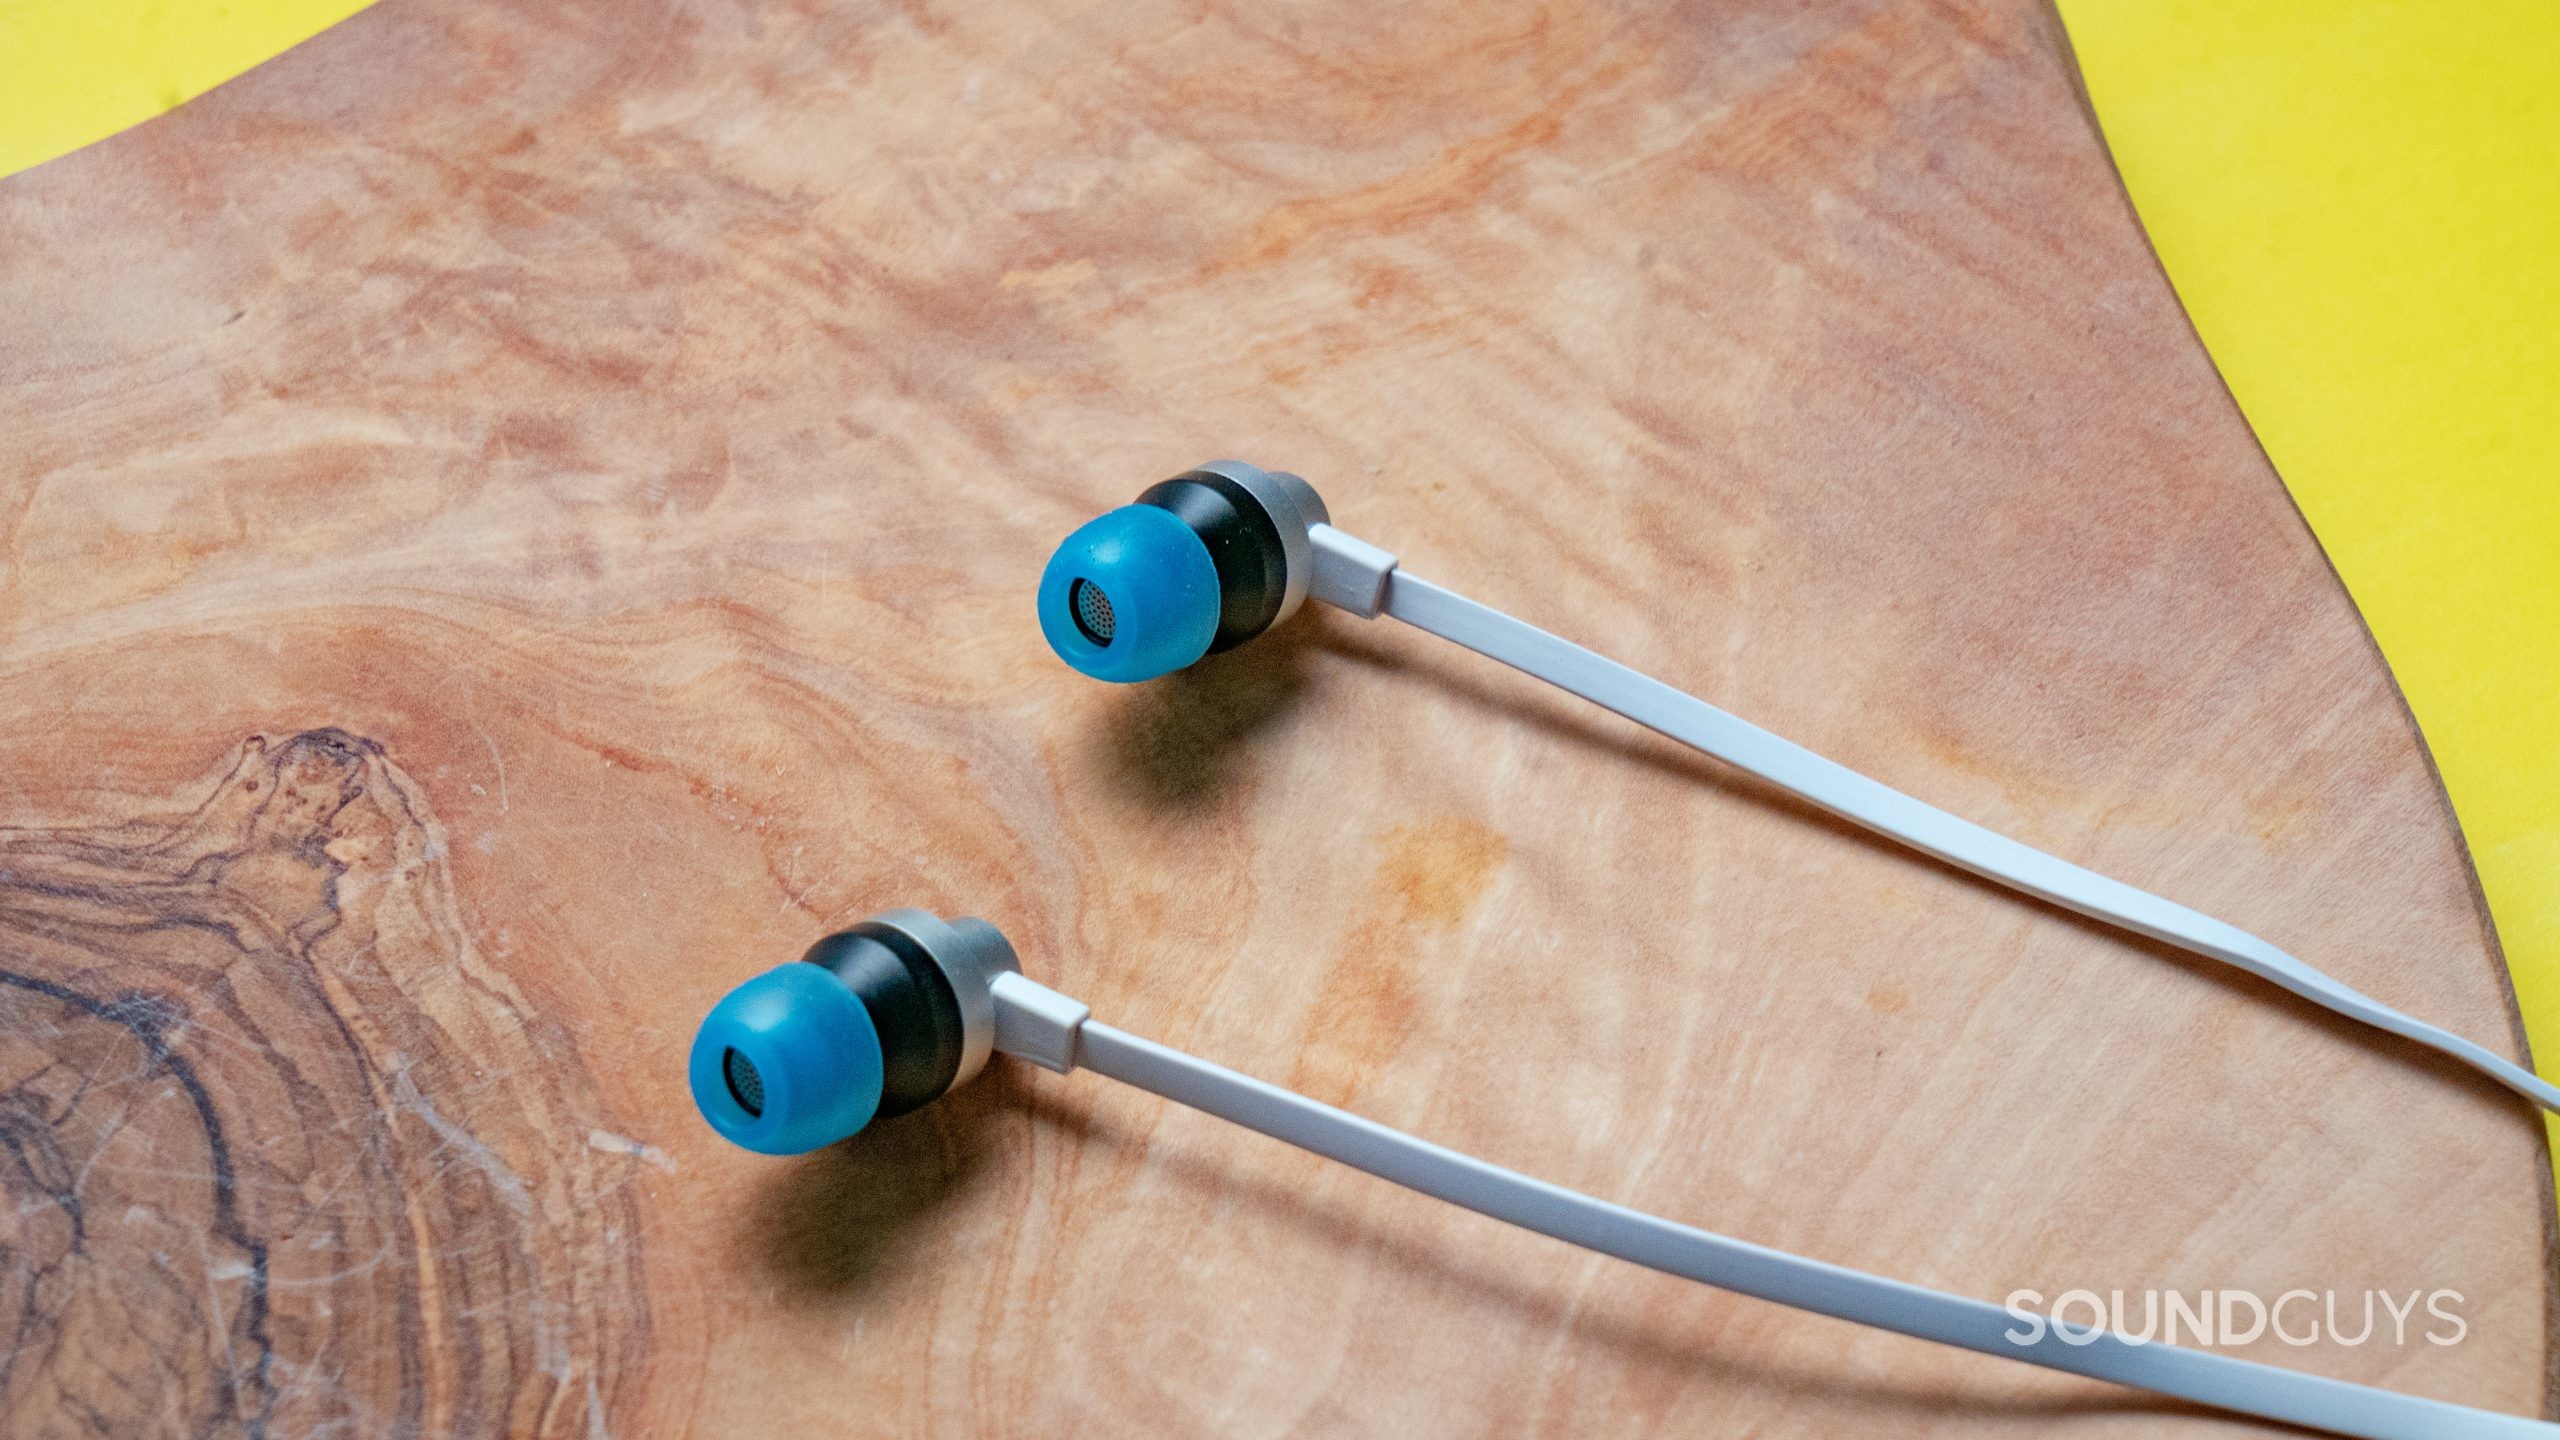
(1350, 573)
(1036, 1023)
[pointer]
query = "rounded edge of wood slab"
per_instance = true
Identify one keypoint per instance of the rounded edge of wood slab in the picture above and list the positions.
(2518, 1038)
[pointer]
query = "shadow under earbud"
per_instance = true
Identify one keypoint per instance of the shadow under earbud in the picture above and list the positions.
(1558, 1305)
(1489, 686)
(1179, 740)
(834, 1220)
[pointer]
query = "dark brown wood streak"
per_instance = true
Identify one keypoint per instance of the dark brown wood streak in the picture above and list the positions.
(277, 1159)
(36, 1126)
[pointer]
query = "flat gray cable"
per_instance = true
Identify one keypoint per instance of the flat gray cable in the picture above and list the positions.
(1038, 1024)
(1359, 577)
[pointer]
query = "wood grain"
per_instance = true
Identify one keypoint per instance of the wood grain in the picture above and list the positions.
(516, 517)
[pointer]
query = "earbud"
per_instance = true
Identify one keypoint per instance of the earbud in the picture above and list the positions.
(1201, 563)
(893, 1013)
(874, 1021)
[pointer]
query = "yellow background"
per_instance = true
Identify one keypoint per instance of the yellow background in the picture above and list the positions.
(2359, 202)
(73, 71)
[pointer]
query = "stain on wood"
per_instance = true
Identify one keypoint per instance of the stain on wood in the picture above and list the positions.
(514, 518)
(1430, 876)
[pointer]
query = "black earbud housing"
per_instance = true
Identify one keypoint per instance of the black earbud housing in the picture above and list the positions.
(911, 1003)
(1245, 542)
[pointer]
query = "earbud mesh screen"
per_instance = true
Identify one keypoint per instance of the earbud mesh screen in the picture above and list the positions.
(745, 1085)
(1092, 609)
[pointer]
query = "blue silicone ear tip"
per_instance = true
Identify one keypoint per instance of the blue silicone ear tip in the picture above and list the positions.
(787, 1062)
(1130, 596)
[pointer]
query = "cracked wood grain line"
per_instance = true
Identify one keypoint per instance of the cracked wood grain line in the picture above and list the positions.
(238, 1208)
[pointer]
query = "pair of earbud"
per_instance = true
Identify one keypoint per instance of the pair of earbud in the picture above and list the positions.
(889, 1015)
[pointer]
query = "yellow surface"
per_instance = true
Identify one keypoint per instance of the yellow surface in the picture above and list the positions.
(73, 71)
(2359, 202)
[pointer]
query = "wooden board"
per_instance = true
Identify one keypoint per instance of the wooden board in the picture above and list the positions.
(519, 517)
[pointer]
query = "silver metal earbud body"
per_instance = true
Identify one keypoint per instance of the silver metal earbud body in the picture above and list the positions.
(1294, 508)
(970, 953)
